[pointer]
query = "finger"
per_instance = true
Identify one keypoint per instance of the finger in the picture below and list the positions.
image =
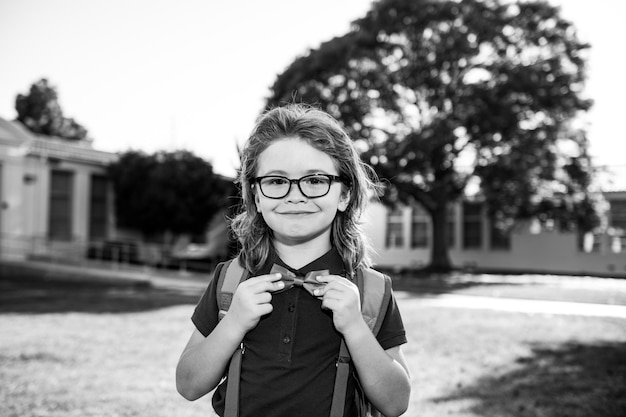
(327, 291)
(264, 309)
(321, 290)
(333, 294)
(334, 282)
(327, 278)
(330, 282)
(330, 304)
(269, 277)
(265, 283)
(263, 298)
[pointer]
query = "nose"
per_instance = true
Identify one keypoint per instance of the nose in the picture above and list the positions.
(295, 195)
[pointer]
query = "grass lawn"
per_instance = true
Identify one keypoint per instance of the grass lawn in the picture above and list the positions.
(78, 350)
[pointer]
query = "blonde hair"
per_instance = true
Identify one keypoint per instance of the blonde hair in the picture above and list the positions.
(325, 134)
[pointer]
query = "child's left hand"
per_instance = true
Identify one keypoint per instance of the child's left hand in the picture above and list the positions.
(341, 296)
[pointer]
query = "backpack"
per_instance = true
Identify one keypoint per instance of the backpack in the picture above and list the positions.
(375, 291)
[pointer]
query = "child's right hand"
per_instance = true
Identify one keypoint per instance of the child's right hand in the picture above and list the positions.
(252, 300)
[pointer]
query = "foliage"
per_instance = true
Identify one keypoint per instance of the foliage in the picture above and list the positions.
(174, 192)
(40, 112)
(442, 94)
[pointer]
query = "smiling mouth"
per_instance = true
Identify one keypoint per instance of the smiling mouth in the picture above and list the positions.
(296, 213)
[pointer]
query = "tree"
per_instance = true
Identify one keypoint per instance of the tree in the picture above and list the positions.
(41, 113)
(175, 192)
(442, 94)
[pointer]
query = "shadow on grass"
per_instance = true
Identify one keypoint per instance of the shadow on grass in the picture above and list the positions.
(54, 296)
(574, 380)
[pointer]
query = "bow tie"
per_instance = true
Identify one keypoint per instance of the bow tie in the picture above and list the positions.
(308, 282)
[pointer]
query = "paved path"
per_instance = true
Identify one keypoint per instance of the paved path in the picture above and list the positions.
(515, 305)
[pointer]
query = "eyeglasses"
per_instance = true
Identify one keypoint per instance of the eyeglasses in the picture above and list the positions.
(311, 186)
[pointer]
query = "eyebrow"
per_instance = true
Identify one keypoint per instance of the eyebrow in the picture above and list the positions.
(309, 172)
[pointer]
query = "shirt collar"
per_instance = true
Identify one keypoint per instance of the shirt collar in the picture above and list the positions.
(331, 260)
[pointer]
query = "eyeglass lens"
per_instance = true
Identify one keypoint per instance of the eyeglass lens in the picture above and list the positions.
(311, 186)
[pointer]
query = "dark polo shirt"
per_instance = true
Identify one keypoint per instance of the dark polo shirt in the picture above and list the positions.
(288, 368)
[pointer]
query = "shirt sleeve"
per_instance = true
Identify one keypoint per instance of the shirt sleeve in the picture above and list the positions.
(392, 331)
(206, 314)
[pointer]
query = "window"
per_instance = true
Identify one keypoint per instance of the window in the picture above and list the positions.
(618, 215)
(395, 235)
(60, 214)
(618, 222)
(420, 232)
(472, 225)
(451, 219)
(98, 208)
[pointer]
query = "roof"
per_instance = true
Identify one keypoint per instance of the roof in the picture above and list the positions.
(65, 150)
(13, 133)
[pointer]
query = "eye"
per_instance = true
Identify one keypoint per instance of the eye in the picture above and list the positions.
(316, 180)
(275, 181)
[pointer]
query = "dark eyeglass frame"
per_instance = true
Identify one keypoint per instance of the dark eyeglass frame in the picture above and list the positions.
(291, 181)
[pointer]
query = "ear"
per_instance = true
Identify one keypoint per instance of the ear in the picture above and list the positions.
(344, 200)
(257, 202)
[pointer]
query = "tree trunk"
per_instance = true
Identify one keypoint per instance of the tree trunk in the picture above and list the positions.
(439, 257)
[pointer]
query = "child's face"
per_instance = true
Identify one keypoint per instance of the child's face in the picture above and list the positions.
(295, 218)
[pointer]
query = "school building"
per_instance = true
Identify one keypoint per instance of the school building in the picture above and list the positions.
(54, 194)
(402, 239)
(56, 204)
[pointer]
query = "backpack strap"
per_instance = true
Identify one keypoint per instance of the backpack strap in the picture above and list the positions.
(231, 275)
(375, 291)
(231, 402)
(341, 381)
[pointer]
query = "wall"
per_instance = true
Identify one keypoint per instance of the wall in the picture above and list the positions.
(546, 252)
(26, 161)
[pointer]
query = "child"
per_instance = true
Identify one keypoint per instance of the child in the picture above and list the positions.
(304, 188)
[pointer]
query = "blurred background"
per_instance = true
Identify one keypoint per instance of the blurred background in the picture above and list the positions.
(495, 126)
(503, 119)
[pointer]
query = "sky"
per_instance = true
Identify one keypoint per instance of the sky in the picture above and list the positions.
(193, 74)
